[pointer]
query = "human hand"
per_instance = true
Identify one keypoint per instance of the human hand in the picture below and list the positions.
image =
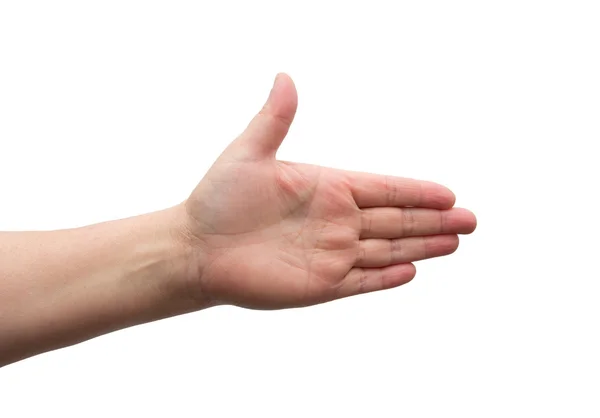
(269, 234)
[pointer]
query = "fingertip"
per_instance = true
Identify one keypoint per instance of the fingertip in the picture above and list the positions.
(442, 245)
(447, 198)
(437, 196)
(283, 98)
(472, 223)
(451, 198)
(400, 274)
(284, 78)
(269, 127)
(468, 220)
(412, 269)
(452, 244)
(282, 103)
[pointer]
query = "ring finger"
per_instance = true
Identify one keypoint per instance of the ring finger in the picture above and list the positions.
(384, 252)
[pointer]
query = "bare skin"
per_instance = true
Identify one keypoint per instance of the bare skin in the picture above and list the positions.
(256, 232)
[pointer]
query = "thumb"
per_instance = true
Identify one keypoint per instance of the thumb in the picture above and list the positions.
(268, 128)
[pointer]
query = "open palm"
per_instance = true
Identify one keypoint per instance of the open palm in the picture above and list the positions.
(271, 234)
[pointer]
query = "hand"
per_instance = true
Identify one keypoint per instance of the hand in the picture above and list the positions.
(269, 234)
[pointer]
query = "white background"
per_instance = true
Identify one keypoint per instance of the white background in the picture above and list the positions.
(115, 108)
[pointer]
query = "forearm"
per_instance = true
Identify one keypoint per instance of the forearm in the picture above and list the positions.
(62, 287)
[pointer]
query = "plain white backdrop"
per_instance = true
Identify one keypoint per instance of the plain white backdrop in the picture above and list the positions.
(116, 108)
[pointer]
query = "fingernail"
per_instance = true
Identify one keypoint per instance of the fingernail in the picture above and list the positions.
(274, 84)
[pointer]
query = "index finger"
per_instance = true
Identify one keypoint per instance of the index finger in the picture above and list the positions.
(373, 190)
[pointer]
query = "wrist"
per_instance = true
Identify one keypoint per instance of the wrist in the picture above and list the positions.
(186, 258)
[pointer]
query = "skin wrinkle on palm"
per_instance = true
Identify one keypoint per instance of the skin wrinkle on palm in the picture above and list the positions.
(256, 233)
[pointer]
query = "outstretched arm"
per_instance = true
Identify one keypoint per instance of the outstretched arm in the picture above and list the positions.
(256, 232)
(59, 288)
